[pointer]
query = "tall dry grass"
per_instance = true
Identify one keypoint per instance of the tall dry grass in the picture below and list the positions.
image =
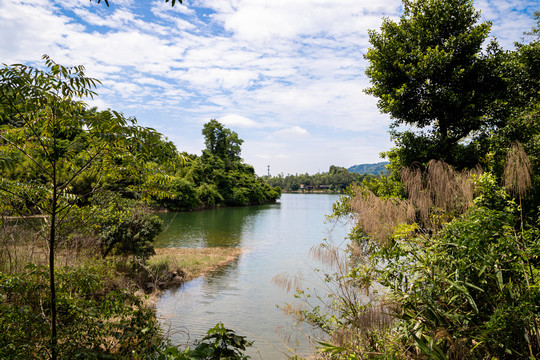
(357, 305)
(517, 170)
(23, 241)
(434, 196)
(20, 245)
(440, 189)
(517, 174)
(378, 216)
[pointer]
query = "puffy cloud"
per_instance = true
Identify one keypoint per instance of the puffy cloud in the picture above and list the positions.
(260, 19)
(290, 65)
(293, 132)
(237, 121)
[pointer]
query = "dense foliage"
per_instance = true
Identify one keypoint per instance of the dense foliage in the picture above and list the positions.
(336, 179)
(218, 177)
(218, 343)
(88, 174)
(456, 278)
(433, 71)
(95, 319)
(122, 226)
(103, 150)
(443, 261)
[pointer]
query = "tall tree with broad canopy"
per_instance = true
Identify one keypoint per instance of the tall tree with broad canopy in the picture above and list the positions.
(428, 71)
(220, 141)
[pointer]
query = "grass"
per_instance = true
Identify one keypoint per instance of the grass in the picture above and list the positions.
(169, 267)
(193, 262)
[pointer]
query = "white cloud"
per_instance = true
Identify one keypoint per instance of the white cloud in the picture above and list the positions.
(237, 121)
(262, 20)
(273, 69)
(31, 29)
(292, 132)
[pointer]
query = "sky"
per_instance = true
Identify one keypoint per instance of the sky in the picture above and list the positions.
(286, 75)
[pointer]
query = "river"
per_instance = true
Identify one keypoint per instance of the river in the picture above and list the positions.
(277, 238)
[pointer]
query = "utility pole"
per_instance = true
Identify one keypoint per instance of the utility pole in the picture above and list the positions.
(268, 170)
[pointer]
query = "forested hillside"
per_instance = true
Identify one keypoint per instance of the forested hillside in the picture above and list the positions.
(77, 188)
(120, 156)
(373, 169)
(216, 178)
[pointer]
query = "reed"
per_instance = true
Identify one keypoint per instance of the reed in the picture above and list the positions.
(517, 174)
(434, 197)
(378, 216)
(361, 316)
(517, 170)
(440, 189)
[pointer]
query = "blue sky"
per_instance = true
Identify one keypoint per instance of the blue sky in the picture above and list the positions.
(286, 75)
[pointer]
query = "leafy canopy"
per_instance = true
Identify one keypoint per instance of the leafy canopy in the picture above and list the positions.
(49, 142)
(220, 141)
(428, 71)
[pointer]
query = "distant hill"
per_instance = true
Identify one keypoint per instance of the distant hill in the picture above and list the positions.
(373, 169)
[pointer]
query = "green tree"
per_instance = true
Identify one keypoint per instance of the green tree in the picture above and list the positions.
(221, 142)
(473, 289)
(123, 226)
(521, 72)
(46, 117)
(428, 71)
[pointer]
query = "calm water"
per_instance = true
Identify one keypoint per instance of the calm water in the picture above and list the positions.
(277, 239)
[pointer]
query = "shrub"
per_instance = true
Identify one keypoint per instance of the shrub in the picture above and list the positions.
(466, 288)
(124, 226)
(94, 321)
(219, 343)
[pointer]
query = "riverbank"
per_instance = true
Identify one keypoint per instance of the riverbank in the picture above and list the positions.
(106, 306)
(242, 295)
(196, 262)
(171, 267)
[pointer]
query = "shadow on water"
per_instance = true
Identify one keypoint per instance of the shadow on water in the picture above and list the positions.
(209, 228)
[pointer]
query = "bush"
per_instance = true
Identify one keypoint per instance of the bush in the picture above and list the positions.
(219, 343)
(184, 196)
(124, 226)
(208, 194)
(466, 289)
(94, 321)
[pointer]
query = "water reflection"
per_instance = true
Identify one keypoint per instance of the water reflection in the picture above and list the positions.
(242, 295)
(209, 228)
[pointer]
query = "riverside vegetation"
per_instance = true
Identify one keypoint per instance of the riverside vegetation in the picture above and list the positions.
(335, 180)
(444, 258)
(77, 189)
